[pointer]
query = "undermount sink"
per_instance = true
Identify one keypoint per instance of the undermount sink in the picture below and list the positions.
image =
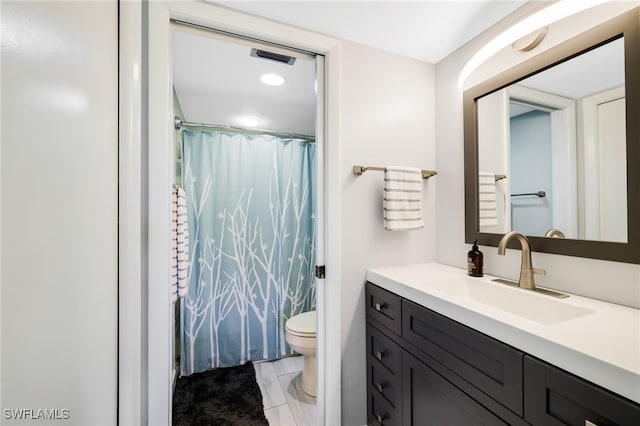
(513, 300)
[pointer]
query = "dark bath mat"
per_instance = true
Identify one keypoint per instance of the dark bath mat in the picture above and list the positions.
(221, 397)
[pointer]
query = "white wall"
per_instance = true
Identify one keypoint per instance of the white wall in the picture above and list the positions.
(609, 281)
(59, 211)
(493, 153)
(387, 116)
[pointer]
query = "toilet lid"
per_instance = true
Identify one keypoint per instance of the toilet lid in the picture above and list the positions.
(302, 324)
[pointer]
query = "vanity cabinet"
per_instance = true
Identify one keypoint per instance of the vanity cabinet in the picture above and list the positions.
(426, 369)
(489, 365)
(429, 399)
(554, 397)
(384, 358)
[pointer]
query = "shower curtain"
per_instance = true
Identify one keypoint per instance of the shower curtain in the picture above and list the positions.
(250, 205)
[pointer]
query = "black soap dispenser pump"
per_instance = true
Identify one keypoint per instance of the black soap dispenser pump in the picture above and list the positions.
(475, 260)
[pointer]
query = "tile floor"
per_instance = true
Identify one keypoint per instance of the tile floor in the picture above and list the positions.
(285, 403)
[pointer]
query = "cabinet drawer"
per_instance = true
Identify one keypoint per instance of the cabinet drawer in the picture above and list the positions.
(383, 351)
(432, 400)
(554, 397)
(489, 365)
(380, 412)
(384, 307)
(385, 383)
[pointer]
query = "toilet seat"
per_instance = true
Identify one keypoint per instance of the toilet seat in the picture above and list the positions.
(302, 325)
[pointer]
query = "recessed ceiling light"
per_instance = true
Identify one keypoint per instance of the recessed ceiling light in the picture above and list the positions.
(249, 121)
(272, 80)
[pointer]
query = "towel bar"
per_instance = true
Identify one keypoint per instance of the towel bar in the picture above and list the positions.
(359, 170)
(540, 194)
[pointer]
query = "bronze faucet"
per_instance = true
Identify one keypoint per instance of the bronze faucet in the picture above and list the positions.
(554, 232)
(526, 270)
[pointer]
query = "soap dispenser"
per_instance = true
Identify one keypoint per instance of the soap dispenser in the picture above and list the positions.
(475, 260)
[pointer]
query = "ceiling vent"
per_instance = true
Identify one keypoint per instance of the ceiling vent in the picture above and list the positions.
(265, 54)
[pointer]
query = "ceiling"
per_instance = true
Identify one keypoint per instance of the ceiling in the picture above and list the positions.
(217, 81)
(599, 69)
(428, 30)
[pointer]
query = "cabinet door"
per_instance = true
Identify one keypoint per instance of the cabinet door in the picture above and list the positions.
(555, 397)
(429, 399)
(489, 365)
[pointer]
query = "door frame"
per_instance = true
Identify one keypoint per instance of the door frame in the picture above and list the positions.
(145, 172)
(590, 203)
(564, 156)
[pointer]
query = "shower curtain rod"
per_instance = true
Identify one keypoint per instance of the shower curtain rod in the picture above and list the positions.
(179, 124)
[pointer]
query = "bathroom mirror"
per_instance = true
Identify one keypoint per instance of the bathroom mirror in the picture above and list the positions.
(550, 144)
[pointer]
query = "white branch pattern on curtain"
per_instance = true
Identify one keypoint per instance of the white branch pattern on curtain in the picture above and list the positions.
(251, 204)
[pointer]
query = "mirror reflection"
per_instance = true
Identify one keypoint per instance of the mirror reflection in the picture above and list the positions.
(552, 151)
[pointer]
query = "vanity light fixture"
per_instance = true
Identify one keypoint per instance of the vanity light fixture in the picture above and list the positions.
(530, 24)
(272, 79)
(249, 121)
(531, 41)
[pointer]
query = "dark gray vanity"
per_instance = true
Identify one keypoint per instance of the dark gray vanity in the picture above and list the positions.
(447, 349)
(426, 369)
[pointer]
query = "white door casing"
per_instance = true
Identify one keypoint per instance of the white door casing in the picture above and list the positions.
(564, 155)
(494, 153)
(151, 361)
(603, 203)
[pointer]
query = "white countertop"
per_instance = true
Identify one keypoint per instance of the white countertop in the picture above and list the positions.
(595, 340)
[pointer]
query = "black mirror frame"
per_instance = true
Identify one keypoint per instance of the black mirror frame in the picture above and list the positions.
(626, 25)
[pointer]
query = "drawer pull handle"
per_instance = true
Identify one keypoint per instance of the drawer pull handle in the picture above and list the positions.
(380, 418)
(379, 355)
(380, 306)
(379, 386)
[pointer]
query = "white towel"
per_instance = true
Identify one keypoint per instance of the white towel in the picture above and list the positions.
(488, 212)
(402, 199)
(179, 244)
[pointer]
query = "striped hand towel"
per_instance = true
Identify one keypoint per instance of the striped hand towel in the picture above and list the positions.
(488, 212)
(402, 199)
(179, 244)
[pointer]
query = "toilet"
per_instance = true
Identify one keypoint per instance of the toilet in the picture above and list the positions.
(300, 334)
